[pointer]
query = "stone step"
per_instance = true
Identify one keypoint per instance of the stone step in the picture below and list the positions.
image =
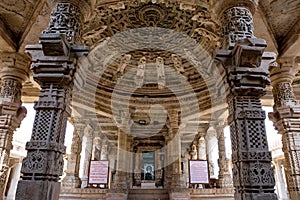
(148, 194)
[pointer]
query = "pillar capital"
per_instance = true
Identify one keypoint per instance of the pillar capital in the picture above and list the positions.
(285, 71)
(222, 5)
(14, 66)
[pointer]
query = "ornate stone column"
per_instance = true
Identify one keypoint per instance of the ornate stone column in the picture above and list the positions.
(72, 179)
(225, 180)
(286, 119)
(13, 186)
(87, 145)
(121, 172)
(245, 77)
(175, 149)
(53, 64)
(211, 145)
(13, 73)
(120, 188)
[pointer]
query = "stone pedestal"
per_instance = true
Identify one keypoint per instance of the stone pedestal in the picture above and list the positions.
(37, 190)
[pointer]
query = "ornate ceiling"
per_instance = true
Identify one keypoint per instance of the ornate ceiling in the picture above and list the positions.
(121, 33)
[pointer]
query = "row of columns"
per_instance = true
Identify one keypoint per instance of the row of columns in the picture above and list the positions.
(246, 81)
(14, 72)
(205, 149)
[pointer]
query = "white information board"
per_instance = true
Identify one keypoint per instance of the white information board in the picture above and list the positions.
(98, 172)
(198, 170)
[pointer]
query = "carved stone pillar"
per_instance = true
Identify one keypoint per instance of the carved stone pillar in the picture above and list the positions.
(53, 64)
(211, 145)
(168, 159)
(13, 73)
(286, 119)
(246, 78)
(72, 179)
(225, 180)
(174, 146)
(121, 173)
(88, 149)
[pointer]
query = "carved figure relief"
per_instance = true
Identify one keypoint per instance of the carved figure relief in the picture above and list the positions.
(139, 79)
(124, 62)
(177, 63)
(160, 72)
(194, 152)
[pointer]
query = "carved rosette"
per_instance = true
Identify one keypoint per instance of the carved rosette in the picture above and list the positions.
(286, 119)
(237, 24)
(246, 79)
(66, 19)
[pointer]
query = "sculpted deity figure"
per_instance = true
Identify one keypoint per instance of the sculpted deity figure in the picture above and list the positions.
(124, 62)
(140, 71)
(194, 152)
(160, 72)
(177, 63)
(160, 67)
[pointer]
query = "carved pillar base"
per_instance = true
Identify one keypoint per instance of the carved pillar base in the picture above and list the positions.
(225, 181)
(71, 181)
(42, 190)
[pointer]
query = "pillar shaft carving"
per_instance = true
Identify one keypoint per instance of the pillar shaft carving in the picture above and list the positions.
(211, 144)
(65, 19)
(72, 179)
(286, 120)
(225, 180)
(237, 24)
(174, 148)
(122, 162)
(53, 64)
(246, 79)
(13, 73)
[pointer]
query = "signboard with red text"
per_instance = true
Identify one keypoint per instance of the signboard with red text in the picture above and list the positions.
(98, 172)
